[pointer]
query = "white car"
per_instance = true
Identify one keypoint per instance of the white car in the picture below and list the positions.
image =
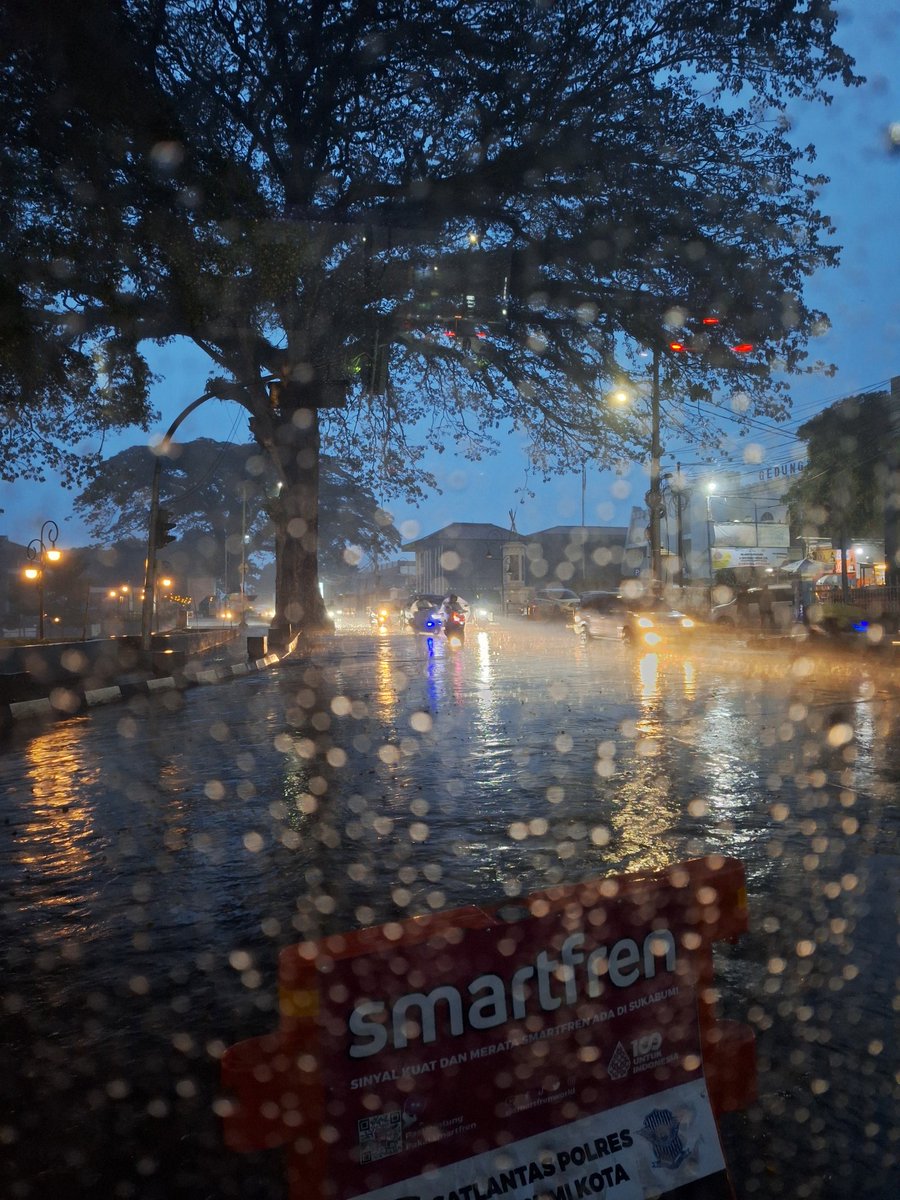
(552, 604)
(644, 622)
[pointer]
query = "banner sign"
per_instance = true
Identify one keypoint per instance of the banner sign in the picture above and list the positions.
(750, 535)
(553, 1057)
(560, 1048)
(745, 556)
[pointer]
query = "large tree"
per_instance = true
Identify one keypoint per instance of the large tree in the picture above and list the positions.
(844, 491)
(319, 194)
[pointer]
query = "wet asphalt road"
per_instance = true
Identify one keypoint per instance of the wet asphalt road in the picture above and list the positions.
(156, 856)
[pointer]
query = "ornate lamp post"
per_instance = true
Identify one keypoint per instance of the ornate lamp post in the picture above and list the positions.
(42, 550)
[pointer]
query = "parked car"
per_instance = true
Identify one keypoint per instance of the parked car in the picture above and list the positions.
(552, 604)
(645, 622)
(742, 610)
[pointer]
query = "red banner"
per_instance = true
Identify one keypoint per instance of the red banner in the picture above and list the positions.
(555, 1056)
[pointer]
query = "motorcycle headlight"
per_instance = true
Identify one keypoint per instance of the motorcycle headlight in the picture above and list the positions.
(645, 623)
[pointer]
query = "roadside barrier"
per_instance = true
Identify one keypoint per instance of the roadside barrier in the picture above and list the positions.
(72, 699)
(562, 1045)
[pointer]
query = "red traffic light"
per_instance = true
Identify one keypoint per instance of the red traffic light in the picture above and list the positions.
(678, 347)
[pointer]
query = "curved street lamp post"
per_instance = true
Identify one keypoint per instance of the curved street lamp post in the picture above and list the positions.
(42, 549)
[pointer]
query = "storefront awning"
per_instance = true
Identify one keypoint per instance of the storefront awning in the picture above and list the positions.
(803, 566)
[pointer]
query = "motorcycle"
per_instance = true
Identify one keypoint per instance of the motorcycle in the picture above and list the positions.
(454, 623)
(379, 618)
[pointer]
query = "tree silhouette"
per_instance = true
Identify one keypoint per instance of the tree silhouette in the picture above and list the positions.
(220, 493)
(843, 491)
(398, 225)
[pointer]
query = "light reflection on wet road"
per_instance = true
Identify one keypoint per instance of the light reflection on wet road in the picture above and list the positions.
(155, 858)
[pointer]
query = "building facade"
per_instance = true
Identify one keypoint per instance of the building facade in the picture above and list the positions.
(723, 520)
(477, 559)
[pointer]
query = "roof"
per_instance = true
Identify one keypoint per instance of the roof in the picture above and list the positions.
(469, 531)
(463, 531)
(591, 531)
(803, 566)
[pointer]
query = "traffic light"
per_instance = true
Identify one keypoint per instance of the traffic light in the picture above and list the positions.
(707, 340)
(163, 531)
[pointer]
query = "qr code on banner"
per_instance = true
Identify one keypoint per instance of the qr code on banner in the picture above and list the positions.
(380, 1136)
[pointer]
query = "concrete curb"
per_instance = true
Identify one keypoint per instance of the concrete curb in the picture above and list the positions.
(68, 702)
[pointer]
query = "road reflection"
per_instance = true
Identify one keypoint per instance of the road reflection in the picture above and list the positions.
(57, 840)
(172, 852)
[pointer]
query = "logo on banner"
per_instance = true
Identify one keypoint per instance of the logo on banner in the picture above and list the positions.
(662, 1130)
(619, 1064)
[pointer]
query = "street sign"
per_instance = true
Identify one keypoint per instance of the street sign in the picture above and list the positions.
(562, 1048)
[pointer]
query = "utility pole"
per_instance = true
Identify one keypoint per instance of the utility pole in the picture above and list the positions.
(654, 495)
(891, 503)
(679, 524)
(150, 561)
(243, 551)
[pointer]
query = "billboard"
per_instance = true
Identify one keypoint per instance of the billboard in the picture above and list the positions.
(750, 535)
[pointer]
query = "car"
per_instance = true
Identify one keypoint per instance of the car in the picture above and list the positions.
(552, 604)
(742, 610)
(641, 621)
(486, 607)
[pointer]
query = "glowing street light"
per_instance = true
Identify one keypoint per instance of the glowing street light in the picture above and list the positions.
(166, 585)
(42, 549)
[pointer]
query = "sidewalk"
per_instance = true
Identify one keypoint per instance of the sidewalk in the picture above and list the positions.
(61, 699)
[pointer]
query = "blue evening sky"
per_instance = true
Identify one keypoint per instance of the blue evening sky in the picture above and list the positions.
(862, 298)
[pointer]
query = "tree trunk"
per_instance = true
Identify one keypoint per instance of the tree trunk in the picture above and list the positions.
(299, 606)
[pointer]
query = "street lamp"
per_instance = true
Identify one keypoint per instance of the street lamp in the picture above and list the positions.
(166, 584)
(42, 550)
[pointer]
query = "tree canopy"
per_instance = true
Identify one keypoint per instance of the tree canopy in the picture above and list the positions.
(843, 490)
(220, 492)
(394, 224)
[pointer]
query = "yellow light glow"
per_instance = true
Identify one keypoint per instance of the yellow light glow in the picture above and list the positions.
(54, 555)
(31, 572)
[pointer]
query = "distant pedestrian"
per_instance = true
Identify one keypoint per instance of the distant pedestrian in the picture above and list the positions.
(766, 608)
